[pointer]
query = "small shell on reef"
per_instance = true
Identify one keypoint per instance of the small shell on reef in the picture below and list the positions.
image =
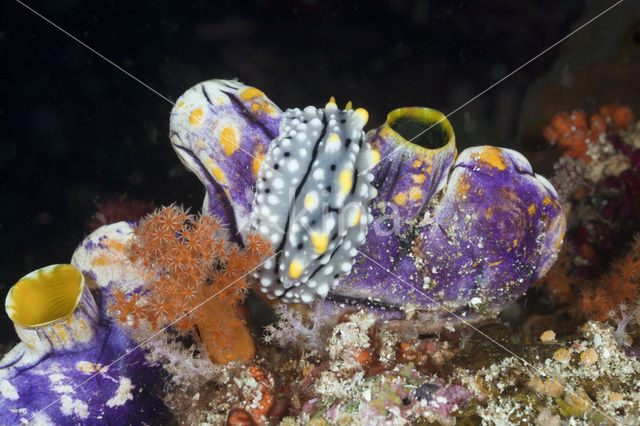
(550, 387)
(239, 417)
(589, 356)
(548, 336)
(562, 356)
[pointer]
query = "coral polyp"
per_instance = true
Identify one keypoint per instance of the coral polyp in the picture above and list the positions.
(194, 278)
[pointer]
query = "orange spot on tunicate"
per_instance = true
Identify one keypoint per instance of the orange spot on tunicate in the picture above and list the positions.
(195, 117)
(401, 198)
(546, 201)
(463, 186)
(216, 171)
(532, 209)
(115, 245)
(101, 260)
(490, 156)
(258, 156)
(418, 178)
(228, 140)
(259, 104)
(415, 194)
(250, 93)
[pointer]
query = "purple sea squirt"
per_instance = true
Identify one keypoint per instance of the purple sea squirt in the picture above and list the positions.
(63, 371)
(446, 236)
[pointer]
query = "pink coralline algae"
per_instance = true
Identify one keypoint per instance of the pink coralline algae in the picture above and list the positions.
(394, 221)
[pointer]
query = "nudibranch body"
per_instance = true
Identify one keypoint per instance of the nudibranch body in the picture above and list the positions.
(313, 191)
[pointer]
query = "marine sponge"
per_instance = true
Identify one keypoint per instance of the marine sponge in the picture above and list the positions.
(195, 278)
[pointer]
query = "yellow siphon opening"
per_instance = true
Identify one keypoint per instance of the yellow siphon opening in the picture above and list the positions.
(45, 295)
(424, 127)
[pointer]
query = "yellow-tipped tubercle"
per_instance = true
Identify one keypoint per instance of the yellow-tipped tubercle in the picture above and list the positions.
(320, 241)
(296, 268)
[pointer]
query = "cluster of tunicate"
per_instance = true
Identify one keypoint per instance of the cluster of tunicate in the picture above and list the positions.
(312, 194)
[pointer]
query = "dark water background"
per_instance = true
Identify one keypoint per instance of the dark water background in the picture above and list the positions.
(73, 128)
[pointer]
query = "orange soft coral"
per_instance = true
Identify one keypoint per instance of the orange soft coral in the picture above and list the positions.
(620, 285)
(573, 133)
(620, 117)
(196, 278)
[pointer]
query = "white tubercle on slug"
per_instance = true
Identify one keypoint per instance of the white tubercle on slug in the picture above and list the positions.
(311, 203)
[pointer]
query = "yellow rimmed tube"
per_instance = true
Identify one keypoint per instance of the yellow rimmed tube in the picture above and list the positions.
(424, 127)
(52, 309)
